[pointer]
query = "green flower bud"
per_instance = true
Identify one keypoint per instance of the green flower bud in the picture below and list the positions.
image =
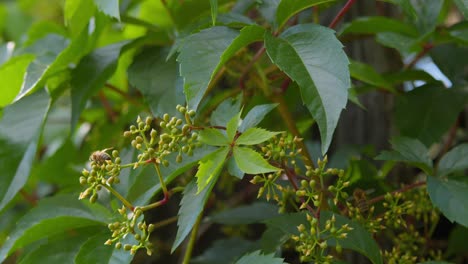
(127, 247)
(83, 180)
(93, 198)
(151, 228)
(166, 117)
(191, 113)
(133, 129)
(179, 158)
(85, 172)
(118, 245)
(148, 120)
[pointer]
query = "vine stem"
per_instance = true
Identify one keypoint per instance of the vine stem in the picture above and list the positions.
(342, 12)
(193, 238)
(247, 68)
(289, 120)
(292, 180)
(401, 190)
(426, 48)
(120, 197)
(123, 94)
(165, 199)
(107, 106)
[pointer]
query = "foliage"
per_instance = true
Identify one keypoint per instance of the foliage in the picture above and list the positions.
(115, 115)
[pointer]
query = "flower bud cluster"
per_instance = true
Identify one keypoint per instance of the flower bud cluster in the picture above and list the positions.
(174, 136)
(130, 224)
(407, 247)
(283, 148)
(423, 209)
(395, 209)
(105, 171)
(270, 188)
(311, 243)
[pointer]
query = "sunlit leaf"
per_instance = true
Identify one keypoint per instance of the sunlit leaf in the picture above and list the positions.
(251, 162)
(210, 167)
(254, 136)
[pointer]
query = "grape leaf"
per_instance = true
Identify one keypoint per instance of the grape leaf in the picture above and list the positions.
(162, 91)
(53, 216)
(246, 214)
(255, 116)
(19, 135)
(191, 207)
(312, 56)
(288, 8)
(199, 61)
(254, 135)
(450, 197)
(109, 7)
(11, 74)
(210, 167)
(91, 74)
(257, 258)
(94, 251)
(213, 137)
(251, 162)
(454, 160)
(232, 125)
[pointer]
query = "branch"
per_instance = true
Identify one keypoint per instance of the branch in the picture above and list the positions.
(107, 106)
(401, 190)
(255, 58)
(342, 12)
(426, 48)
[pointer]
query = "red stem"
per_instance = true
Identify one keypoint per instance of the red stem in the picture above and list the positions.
(292, 180)
(107, 106)
(403, 189)
(426, 48)
(342, 12)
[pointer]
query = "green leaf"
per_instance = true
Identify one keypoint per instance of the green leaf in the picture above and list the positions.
(365, 73)
(255, 136)
(94, 251)
(358, 239)
(455, 70)
(416, 116)
(251, 162)
(213, 137)
(53, 216)
(214, 11)
(313, 57)
(224, 251)
(146, 185)
(51, 55)
(268, 9)
(225, 111)
(11, 74)
(77, 15)
(232, 125)
(450, 197)
(210, 167)
(408, 150)
(56, 250)
(91, 74)
(463, 7)
(377, 24)
(20, 129)
(109, 7)
(288, 8)
(162, 91)
(403, 43)
(436, 262)
(456, 241)
(427, 12)
(233, 169)
(454, 160)
(255, 116)
(191, 206)
(246, 214)
(199, 62)
(257, 258)
(409, 75)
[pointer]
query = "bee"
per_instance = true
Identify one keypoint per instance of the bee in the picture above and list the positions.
(100, 156)
(361, 201)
